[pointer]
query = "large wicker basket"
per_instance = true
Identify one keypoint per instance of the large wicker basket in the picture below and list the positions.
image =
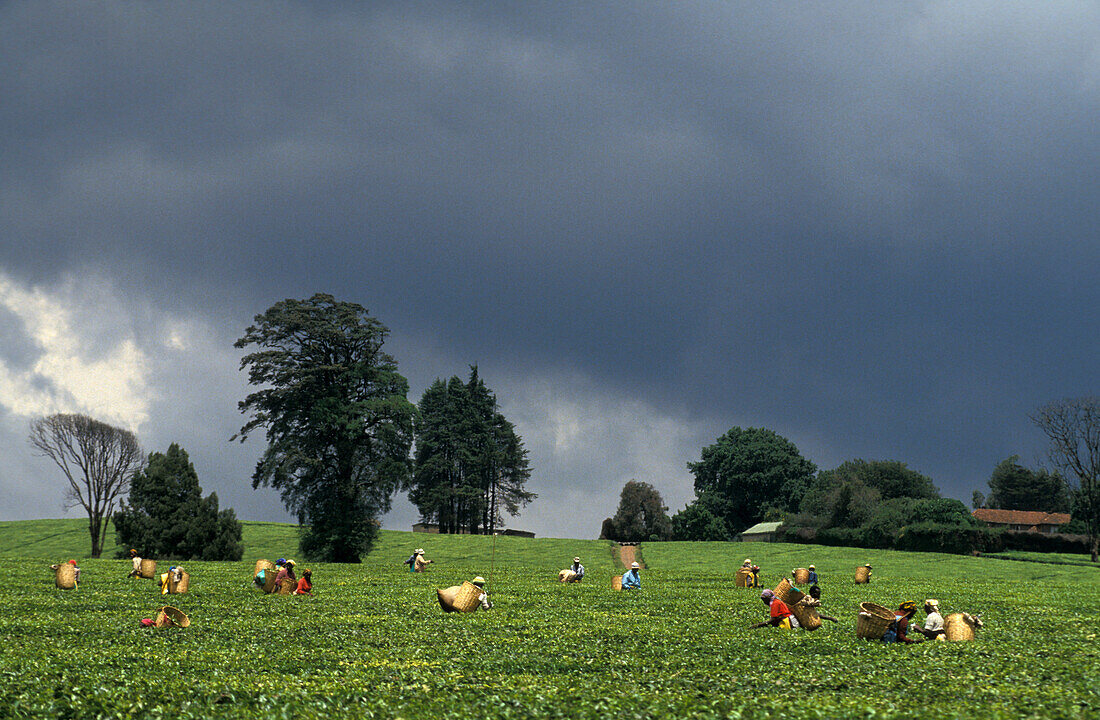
(957, 629)
(872, 622)
(269, 580)
(567, 576)
(788, 593)
(148, 569)
(65, 576)
(617, 582)
(466, 599)
(801, 576)
(286, 587)
(172, 617)
(262, 565)
(742, 578)
(181, 587)
(807, 616)
(863, 575)
(446, 598)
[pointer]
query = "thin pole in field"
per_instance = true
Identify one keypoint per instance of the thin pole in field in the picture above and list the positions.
(492, 559)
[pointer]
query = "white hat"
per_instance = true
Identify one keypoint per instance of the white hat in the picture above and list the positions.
(576, 559)
(932, 603)
(420, 551)
(634, 566)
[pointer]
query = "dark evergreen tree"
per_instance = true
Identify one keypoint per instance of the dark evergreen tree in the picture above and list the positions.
(470, 464)
(166, 515)
(339, 427)
(1015, 487)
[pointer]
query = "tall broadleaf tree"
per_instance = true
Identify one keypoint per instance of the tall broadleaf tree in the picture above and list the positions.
(96, 458)
(471, 465)
(338, 423)
(748, 473)
(1072, 426)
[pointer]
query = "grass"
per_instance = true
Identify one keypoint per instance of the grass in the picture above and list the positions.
(373, 642)
(1052, 558)
(55, 540)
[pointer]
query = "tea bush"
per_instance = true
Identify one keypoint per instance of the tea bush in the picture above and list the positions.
(374, 643)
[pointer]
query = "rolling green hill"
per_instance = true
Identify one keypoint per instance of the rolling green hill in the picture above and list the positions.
(64, 538)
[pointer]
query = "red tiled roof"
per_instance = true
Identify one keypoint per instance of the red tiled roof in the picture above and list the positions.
(1020, 517)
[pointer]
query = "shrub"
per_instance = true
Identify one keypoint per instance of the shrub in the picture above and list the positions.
(937, 537)
(1041, 542)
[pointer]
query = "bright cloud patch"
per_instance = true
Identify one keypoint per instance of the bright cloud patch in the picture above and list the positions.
(78, 365)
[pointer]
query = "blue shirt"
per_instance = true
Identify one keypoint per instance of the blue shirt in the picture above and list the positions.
(813, 577)
(631, 580)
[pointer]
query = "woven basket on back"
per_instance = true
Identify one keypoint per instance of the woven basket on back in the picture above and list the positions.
(801, 576)
(262, 565)
(466, 598)
(269, 580)
(742, 578)
(447, 598)
(567, 576)
(871, 624)
(957, 629)
(807, 616)
(172, 617)
(617, 582)
(286, 587)
(179, 588)
(788, 593)
(65, 576)
(148, 569)
(863, 575)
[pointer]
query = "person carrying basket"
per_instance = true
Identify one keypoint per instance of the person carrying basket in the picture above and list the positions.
(780, 615)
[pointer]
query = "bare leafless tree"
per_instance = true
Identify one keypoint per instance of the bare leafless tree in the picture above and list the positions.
(97, 459)
(1073, 427)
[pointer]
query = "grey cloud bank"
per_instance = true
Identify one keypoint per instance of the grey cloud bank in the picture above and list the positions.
(869, 227)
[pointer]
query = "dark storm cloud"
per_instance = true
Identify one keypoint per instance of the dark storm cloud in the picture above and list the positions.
(871, 227)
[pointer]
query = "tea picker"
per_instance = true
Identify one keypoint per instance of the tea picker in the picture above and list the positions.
(780, 615)
(631, 579)
(933, 621)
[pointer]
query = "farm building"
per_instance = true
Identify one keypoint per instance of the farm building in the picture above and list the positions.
(761, 532)
(1022, 520)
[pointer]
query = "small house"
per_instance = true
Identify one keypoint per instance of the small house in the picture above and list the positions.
(1022, 520)
(760, 532)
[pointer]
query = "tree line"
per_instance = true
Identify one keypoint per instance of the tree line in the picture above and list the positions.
(339, 433)
(750, 475)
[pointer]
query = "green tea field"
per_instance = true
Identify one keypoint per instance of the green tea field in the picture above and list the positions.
(374, 643)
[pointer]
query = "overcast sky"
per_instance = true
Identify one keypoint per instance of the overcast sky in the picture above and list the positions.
(871, 227)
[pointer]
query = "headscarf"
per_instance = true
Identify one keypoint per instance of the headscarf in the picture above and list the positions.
(767, 596)
(908, 607)
(73, 563)
(479, 581)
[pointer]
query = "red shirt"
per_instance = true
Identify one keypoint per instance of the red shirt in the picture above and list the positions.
(303, 586)
(779, 609)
